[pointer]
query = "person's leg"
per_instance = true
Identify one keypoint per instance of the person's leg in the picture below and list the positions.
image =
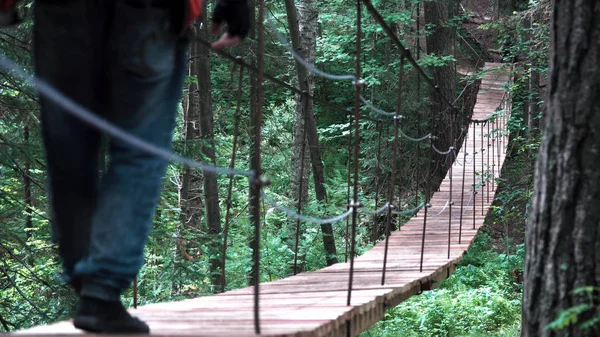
(65, 55)
(147, 67)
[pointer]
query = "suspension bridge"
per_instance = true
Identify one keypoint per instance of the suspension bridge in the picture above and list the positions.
(346, 298)
(338, 301)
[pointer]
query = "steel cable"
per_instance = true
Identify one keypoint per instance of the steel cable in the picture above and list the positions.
(109, 128)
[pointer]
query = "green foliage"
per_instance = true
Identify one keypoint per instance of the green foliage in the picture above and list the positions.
(432, 60)
(585, 316)
(481, 298)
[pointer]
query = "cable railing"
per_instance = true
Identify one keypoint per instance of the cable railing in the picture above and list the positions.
(496, 142)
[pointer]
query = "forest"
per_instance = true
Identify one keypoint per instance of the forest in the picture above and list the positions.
(298, 67)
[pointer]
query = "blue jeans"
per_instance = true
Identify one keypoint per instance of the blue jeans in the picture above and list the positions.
(119, 59)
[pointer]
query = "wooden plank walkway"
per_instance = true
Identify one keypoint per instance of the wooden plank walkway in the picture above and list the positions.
(314, 304)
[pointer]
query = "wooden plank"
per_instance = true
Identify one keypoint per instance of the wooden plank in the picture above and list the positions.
(315, 303)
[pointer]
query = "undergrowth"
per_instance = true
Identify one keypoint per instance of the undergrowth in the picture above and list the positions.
(483, 298)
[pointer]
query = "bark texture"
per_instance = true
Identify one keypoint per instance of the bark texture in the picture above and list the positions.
(210, 188)
(563, 233)
(304, 40)
(299, 167)
(190, 192)
(27, 186)
(256, 103)
(440, 42)
(199, 189)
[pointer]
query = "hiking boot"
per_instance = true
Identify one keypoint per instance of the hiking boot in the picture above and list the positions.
(100, 316)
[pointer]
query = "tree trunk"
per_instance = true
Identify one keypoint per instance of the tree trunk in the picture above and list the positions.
(254, 107)
(563, 233)
(201, 71)
(304, 35)
(534, 102)
(440, 42)
(299, 169)
(27, 187)
(534, 88)
(528, 84)
(190, 193)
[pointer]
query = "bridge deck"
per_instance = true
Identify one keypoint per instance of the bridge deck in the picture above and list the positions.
(314, 304)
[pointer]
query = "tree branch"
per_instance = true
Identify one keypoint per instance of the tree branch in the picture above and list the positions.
(43, 314)
(6, 323)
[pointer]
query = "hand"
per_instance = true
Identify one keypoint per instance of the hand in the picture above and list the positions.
(236, 14)
(226, 40)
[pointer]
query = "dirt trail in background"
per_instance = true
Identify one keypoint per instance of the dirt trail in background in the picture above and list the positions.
(482, 13)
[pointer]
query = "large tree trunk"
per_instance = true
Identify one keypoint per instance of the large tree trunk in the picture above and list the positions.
(563, 233)
(304, 40)
(441, 43)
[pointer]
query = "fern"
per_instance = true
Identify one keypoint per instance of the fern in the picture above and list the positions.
(572, 316)
(568, 317)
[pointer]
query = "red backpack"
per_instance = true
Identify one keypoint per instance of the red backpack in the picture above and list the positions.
(193, 9)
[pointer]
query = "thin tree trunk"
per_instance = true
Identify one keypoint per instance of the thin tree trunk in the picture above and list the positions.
(190, 193)
(304, 34)
(534, 88)
(27, 187)
(534, 107)
(527, 71)
(254, 101)
(563, 233)
(299, 172)
(206, 123)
